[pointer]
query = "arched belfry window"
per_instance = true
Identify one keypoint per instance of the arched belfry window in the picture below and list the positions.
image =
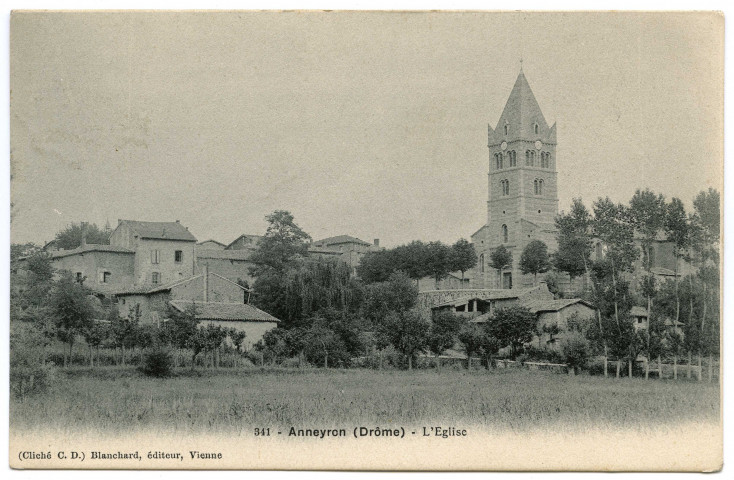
(481, 263)
(535, 128)
(538, 185)
(527, 158)
(513, 158)
(504, 234)
(505, 187)
(507, 129)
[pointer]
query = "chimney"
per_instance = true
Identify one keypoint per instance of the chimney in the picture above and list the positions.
(178, 221)
(206, 282)
(377, 242)
(84, 234)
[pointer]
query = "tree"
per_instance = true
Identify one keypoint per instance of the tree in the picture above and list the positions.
(534, 259)
(574, 240)
(306, 287)
(575, 349)
(463, 256)
(613, 227)
(71, 236)
(500, 258)
(284, 241)
(407, 332)
(706, 222)
(398, 295)
(472, 338)
(678, 231)
(376, 266)
(442, 334)
(437, 260)
(72, 310)
(512, 326)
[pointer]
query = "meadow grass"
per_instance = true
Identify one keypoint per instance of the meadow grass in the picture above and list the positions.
(121, 400)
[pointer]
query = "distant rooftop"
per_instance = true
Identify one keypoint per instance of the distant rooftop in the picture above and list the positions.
(159, 230)
(340, 239)
(225, 311)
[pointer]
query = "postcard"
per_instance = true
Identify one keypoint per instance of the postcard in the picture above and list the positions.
(375, 240)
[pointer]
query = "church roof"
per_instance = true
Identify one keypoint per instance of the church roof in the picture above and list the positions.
(521, 113)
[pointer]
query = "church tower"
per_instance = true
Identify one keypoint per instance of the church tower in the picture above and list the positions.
(523, 197)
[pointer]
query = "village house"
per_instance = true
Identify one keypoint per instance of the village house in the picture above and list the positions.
(239, 316)
(480, 305)
(216, 299)
(164, 251)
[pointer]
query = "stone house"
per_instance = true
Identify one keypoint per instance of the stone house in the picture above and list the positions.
(232, 264)
(153, 299)
(164, 251)
(102, 268)
(348, 249)
(640, 321)
(239, 316)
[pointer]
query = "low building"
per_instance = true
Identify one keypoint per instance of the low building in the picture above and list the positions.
(153, 300)
(640, 321)
(553, 317)
(234, 265)
(102, 268)
(239, 316)
(210, 245)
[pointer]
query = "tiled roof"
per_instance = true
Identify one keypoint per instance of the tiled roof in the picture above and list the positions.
(147, 289)
(254, 239)
(212, 241)
(225, 254)
(226, 311)
(89, 248)
(323, 250)
(638, 311)
(160, 230)
(537, 306)
(663, 271)
(340, 239)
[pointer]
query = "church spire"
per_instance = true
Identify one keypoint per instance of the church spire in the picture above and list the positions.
(522, 118)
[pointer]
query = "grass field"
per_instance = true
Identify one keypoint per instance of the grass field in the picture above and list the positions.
(119, 400)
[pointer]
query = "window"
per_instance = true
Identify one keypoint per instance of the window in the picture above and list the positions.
(79, 277)
(500, 160)
(545, 160)
(535, 128)
(155, 277)
(507, 129)
(481, 263)
(513, 158)
(178, 256)
(106, 277)
(155, 256)
(505, 187)
(504, 234)
(532, 158)
(538, 184)
(529, 158)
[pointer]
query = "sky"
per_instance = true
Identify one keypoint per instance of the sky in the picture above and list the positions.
(367, 124)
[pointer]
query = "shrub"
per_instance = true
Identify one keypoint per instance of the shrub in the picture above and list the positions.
(29, 374)
(575, 349)
(157, 363)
